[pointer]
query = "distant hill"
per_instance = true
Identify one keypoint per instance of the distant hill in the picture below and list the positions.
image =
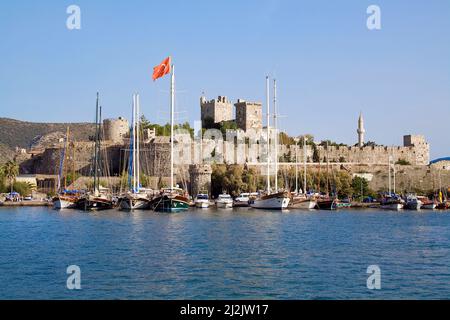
(22, 134)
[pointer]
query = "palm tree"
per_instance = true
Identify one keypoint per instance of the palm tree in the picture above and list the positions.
(10, 170)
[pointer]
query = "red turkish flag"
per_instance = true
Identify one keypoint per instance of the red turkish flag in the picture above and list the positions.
(162, 69)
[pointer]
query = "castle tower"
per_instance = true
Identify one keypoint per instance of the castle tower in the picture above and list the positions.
(215, 110)
(115, 130)
(361, 131)
(248, 115)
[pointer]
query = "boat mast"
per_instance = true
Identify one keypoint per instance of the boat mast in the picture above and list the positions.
(328, 177)
(393, 169)
(134, 143)
(138, 166)
(304, 165)
(296, 169)
(268, 132)
(172, 107)
(96, 145)
(275, 124)
(66, 147)
(389, 176)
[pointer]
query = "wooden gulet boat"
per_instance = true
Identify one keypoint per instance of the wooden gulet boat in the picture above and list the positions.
(65, 199)
(96, 200)
(278, 200)
(134, 198)
(171, 199)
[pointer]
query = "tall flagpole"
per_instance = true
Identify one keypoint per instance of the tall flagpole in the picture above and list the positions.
(268, 132)
(172, 107)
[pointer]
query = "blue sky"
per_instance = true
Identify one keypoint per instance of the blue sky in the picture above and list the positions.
(328, 65)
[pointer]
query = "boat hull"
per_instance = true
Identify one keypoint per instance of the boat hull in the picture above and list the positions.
(134, 204)
(273, 203)
(413, 205)
(327, 204)
(224, 205)
(429, 206)
(169, 204)
(442, 206)
(60, 203)
(306, 204)
(94, 203)
(202, 204)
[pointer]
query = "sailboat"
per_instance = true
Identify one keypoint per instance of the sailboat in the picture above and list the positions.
(135, 198)
(172, 199)
(302, 200)
(280, 199)
(97, 199)
(391, 201)
(327, 202)
(65, 199)
(442, 203)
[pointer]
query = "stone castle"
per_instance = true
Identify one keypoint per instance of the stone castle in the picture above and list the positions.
(248, 119)
(415, 149)
(216, 111)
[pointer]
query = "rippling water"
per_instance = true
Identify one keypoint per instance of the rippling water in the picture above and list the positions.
(229, 254)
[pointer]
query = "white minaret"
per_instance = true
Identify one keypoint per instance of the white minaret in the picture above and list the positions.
(361, 131)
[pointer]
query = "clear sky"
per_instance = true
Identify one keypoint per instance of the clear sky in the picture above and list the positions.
(328, 65)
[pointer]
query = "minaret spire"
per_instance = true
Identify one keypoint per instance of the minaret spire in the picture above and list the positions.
(361, 131)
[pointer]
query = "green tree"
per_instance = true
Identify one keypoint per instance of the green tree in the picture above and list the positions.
(403, 162)
(360, 184)
(10, 170)
(316, 156)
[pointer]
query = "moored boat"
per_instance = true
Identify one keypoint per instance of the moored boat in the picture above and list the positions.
(412, 203)
(170, 200)
(275, 201)
(134, 201)
(327, 204)
(224, 201)
(428, 204)
(391, 202)
(90, 202)
(202, 201)
(66, 199)
(302, 202)
(242, 201)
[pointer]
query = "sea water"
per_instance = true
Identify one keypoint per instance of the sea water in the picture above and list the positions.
(224, 254)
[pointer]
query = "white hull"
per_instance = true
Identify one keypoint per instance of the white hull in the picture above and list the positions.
(278, 203)
(308, 204)
(430, 206)
(63, 204)
(202, 204)
(393, 206)
(224, 204)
